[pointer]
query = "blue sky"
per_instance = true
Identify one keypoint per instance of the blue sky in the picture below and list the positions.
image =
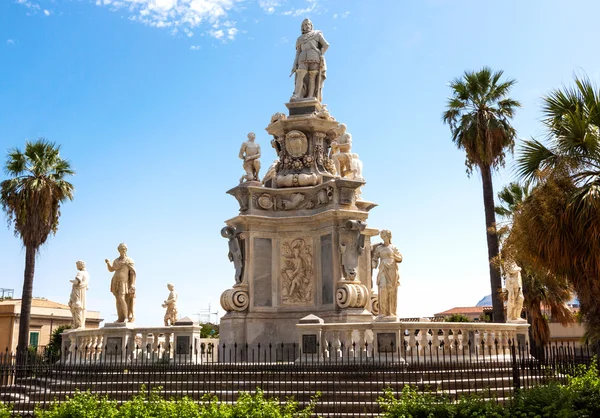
(151, 99)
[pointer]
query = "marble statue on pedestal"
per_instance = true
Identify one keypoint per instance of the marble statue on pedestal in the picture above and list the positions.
(122, 285)
(309, 64)
(171, 304)
(250, 153)
(77, 298)
(347, 164)
(514, 287)
(235, 254)
(386, 256)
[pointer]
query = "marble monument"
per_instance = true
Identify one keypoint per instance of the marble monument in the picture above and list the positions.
(300, 244)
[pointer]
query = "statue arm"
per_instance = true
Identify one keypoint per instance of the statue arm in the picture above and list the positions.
(109, 266)
(324, 43)
(295, 65)
(397, 255)
(242, 150)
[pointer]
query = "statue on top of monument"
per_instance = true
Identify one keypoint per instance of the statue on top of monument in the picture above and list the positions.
(77, 298)
(171, 304)
(250, 153)
(309, 64)
(122, 285)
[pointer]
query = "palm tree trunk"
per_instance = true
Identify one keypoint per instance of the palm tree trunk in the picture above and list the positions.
(492, 243)
(25, 317)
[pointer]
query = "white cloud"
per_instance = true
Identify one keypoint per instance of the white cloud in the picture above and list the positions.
(269, 5)
(231, 32)
(10, 42)
(216, 33)
(312, 6)
(46, 12)
(195, 47)
(31, 5)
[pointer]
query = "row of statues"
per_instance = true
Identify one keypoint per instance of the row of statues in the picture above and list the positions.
(346, 163)
(122, 286)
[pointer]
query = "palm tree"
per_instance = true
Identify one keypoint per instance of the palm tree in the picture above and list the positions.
(479, 114)
(541, 288)
(31, 198)
(562, 220)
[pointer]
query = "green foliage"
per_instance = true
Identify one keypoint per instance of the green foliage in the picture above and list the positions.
(416, 404)
(5, 411)
(54, 346)
(153, 405)
(209, 330)
(579, 398)
(457, 317)
(82, 405)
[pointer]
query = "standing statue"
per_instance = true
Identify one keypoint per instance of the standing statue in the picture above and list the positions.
(309, 64)
(235, 252)
(250, 153)
(514, 287)
(171, 305)
(388, 278)
(77, 299)
(122, 285)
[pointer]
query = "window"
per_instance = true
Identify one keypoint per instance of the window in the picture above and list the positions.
(34, 338)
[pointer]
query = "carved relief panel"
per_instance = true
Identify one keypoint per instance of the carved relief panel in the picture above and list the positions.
(297, 275)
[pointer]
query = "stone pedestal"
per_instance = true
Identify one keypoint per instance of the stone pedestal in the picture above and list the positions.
(305, 244)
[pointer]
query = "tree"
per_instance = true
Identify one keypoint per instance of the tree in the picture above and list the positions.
(542, 289)
(562, 218)
(457, 317)
(31, 198)
(479, 114)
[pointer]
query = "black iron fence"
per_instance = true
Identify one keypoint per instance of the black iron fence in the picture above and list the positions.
(350, 378)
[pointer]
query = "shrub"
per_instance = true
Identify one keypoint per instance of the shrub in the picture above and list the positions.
(5, 410)
(415, 404)
(153, 405)
(81, 405)
(457, 317)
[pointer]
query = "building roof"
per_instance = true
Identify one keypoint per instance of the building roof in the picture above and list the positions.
(465, 310)
(38, 303)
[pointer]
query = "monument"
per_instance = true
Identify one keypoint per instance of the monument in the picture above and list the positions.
(300, 244)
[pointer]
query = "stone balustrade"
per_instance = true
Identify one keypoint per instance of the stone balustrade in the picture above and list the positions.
(180, 344)
(421, 341)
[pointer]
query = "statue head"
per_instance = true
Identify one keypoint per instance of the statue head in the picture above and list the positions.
(170, 286)
(307, 26)
(122, 248)
(251, 136)
(343, 128)
(227, 232)
(80, 265)
(386, 235)
(511, 267)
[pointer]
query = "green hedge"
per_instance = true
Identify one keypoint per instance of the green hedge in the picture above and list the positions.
(87, 405)
(579, 398)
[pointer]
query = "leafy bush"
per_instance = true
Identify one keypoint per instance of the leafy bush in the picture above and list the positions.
(153, 405)
(54, 347)
(579, 398)
(415, 404)
(457, 317)
(81, 405)
(5, 410)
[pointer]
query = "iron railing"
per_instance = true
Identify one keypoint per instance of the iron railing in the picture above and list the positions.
(350, 379)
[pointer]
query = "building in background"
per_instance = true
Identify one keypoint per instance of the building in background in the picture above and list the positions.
(46, 315)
